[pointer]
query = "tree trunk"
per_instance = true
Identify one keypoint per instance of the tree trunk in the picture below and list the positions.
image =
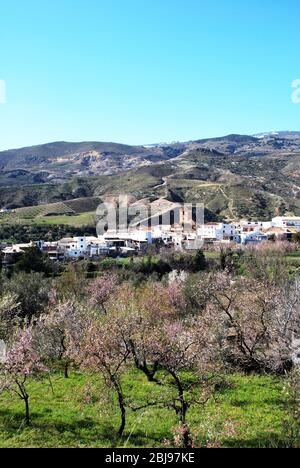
(25, 397)
(123, 414)
(143, 366)
(27, 414)
(122, 405)
(186, 438)
(182, 402)
(66, 371)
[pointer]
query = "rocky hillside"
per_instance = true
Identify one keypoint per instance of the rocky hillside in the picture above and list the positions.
(58, 161)
(234, 176)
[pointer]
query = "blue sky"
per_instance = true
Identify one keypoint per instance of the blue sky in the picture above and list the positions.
(143, 71)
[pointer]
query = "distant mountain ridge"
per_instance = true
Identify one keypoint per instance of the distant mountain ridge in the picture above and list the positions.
(60, 160)
(234, 176)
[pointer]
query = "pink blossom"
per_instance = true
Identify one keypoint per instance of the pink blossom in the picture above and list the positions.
(100, 290)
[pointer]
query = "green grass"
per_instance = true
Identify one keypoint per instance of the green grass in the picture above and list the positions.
(77, 213)
(293, 257)
(74, 416)
(214, 255)
(77, 220)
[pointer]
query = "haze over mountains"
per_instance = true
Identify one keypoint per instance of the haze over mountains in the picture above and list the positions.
(235, 175)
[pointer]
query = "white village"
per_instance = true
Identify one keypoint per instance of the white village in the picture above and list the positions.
(136, 240)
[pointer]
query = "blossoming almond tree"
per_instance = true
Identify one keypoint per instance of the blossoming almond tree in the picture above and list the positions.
(187, 346)
(64, 321)
(255, 321)
(102, 351)
(139, 312)
(21, 362)
(100, 290)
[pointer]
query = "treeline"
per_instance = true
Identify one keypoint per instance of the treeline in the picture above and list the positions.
(19, 233)
(153, 267)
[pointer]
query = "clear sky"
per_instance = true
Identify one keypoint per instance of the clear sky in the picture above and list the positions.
(146, 71)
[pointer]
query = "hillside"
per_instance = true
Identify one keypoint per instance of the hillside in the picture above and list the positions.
(234, 176)
(58, 161)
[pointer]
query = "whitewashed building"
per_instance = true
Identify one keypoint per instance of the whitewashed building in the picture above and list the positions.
(128, 242)
(216, 232)
(252, 226)
(286, 222)
(252, 237)
(75, 247)
(83, 247)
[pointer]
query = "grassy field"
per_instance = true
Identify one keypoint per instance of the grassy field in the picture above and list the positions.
(78, 212)
(69, 413)
(76, 220)
(293, 257)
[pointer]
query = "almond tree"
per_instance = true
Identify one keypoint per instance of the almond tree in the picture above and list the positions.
(176, 293)
(21, 362)
(100, 290)
(186, 346)
(63, 321)
(255, 320)
(139, 313)
(143, 324)
(102, 351)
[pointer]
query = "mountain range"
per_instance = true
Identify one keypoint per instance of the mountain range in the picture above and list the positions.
(234, 176)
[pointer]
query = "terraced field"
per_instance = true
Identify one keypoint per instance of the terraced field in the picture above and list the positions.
(44, 210)
(77, 212)
(76, 220)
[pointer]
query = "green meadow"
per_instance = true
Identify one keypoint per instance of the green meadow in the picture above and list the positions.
(247, 411)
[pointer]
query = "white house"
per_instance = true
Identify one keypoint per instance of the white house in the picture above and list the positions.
(252, 226)
(286, 222)
(215, 232)
(127, 242)
(78, 247)
(253, 237)
(17, 248)
(97, 247)
(12, 252)
(75, 247)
